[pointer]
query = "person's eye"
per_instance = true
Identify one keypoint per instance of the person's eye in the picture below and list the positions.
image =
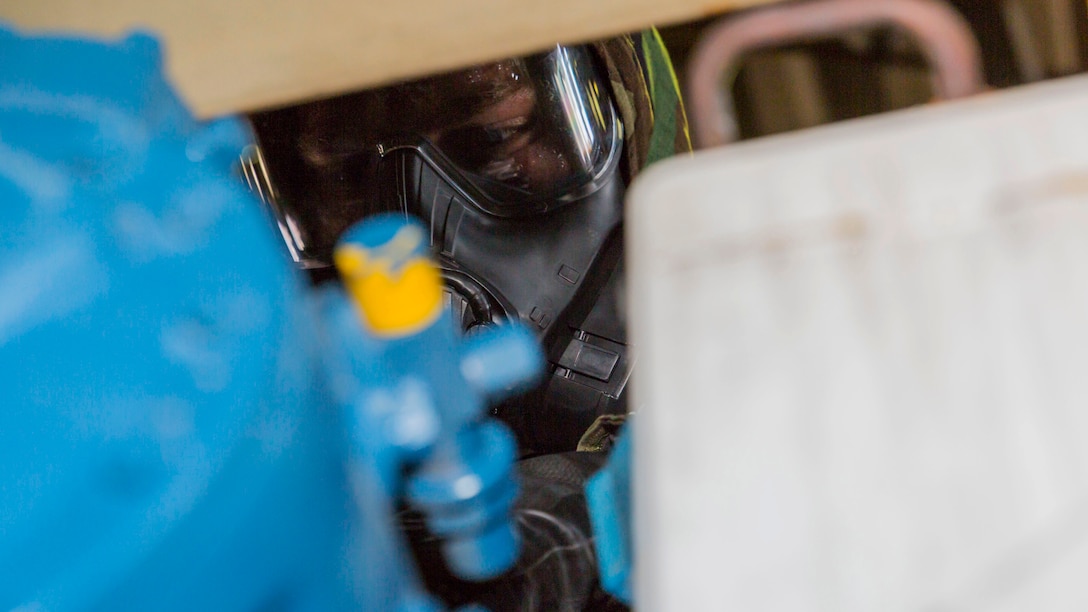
(477, 145)
(496, 135)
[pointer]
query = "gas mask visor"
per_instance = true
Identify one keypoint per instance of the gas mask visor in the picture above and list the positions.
(517, 137)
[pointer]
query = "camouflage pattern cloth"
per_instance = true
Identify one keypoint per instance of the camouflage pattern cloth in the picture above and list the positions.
(647, 95)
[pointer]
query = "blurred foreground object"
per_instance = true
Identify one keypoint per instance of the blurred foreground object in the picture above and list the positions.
(609, 495)
(185, 425)
(464, 481)
(944, 38)
(245, 55)
(865, 349)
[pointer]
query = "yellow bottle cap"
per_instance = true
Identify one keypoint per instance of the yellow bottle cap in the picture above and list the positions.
(386, 269)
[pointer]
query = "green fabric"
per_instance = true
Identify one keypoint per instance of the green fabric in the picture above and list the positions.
(670, 129)
(647, 97)
(602, 434)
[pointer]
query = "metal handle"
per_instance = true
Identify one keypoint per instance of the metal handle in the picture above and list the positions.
(945, 39)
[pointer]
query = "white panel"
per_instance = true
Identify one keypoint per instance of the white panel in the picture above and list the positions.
(863, 377)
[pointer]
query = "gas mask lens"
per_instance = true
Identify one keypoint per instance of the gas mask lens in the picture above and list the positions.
(541, 132)
(516, 137)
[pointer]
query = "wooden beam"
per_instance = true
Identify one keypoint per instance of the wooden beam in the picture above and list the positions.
(236, 55)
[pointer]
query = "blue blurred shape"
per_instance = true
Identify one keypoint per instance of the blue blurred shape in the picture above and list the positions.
(608, 493)
(184, 424)
(462, 476)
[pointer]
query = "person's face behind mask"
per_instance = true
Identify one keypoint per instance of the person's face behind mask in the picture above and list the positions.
(503, 128)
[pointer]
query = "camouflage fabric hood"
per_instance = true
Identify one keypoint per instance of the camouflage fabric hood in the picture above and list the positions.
(647, 96)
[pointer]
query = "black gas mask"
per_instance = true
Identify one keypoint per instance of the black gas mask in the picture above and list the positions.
(515, 166)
